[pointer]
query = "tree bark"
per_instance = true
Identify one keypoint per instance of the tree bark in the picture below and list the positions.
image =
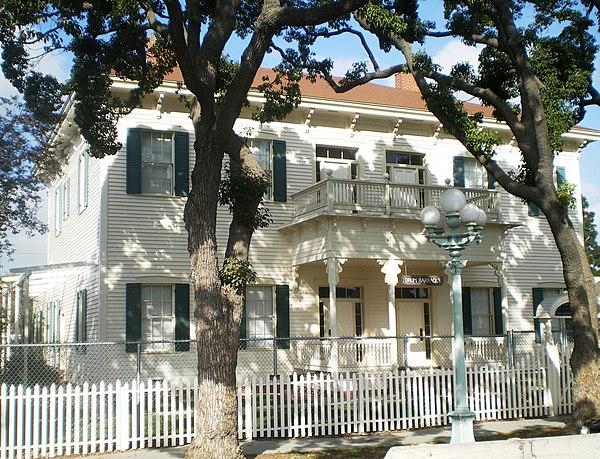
(585, 358)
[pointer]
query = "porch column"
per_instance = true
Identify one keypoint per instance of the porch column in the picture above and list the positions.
(333, 268)
(391, 269)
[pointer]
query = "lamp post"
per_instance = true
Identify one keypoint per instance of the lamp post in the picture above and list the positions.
(444, 230)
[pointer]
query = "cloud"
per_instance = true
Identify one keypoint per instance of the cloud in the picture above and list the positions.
(456, 51)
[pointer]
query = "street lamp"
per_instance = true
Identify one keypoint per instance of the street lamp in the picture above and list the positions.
(444, 230)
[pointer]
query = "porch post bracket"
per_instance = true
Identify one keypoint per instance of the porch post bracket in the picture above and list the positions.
(391, 268)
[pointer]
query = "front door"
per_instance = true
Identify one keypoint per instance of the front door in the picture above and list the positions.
(414, 323)
(347, 313)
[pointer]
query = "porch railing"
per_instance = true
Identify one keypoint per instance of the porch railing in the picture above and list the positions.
(335, 196)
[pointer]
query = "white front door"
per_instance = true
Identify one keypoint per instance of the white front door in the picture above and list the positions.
(414, 323)
(345, 317)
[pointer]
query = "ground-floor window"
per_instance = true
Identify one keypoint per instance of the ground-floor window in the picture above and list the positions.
(482, 311)
(260, 312)
(157, 311)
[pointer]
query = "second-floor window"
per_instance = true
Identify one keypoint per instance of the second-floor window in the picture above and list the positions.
(340, 160)
(261, 149)
(468, 173)
(157, 162)
(405, 168)
(82, 179)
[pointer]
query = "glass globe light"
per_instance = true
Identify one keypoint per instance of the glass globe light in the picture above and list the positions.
(469, 213)
(452, 200)
(481, 218)
(441, 222)
(430, 215)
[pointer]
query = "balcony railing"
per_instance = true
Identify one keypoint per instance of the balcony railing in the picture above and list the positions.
(334, 196)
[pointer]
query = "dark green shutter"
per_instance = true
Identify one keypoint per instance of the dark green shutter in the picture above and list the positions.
(134, 161)
(459, 171)
(561, 175)
(533, 210)
(182, 163)
(243, 326)
(491, 182)
(279, 171)
(83, 299)
(498, 322)
(538, 297)
(466, 307)
(133, 316)
(182, 317)
(282, 310)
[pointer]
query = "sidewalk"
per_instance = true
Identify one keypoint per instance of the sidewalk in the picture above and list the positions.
(496, 430)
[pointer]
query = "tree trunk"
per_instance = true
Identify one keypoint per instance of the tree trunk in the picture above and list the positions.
(585, 359)
(215, 310)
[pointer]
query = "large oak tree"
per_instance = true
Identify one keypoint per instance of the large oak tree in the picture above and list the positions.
(110, 39)
(537, 77)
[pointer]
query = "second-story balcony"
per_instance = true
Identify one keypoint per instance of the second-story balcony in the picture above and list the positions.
(381, 199)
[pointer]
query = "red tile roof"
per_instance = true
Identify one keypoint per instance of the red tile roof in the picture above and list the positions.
(371, 93)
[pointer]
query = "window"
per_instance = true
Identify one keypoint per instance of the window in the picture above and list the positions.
(82, 179)
(405, 168)
(52, 322)
(155, 313)
(482, 315)
(157, 162)
(266, 315)
(340, 160)
(81, 317)
(157, 316)
(468, 173)
(412, 293)
(58, 203)
(261, 149)
(259, 312)
(66, 198)
(482, 311)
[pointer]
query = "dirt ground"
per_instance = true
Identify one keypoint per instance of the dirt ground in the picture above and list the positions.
(378, 452)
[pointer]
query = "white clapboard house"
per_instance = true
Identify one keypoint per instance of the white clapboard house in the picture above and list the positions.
(350, 174)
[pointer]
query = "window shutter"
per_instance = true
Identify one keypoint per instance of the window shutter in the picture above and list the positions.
(533, 210)
(133, 316)
(466, 307)
(279, 171)
(538, 297)
(83, 321)
(561, 175)
(491, 182)
(134, 161)
(282, 310)
(243, 326)
(182, 163)
(459, 171)
(498, 322)
(182, 317)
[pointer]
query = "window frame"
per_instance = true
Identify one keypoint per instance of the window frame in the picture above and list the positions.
(144, 179)
(268, 196)
(58, 209)
(422, 176)
(353, 163)
(265, 339)
(151, 343)
(83, 179)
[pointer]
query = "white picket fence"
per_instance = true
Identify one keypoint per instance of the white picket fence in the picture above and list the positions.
(71, 420)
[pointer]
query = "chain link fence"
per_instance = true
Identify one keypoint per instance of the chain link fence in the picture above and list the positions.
(44, 364)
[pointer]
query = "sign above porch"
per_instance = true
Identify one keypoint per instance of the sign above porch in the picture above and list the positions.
(421, 280)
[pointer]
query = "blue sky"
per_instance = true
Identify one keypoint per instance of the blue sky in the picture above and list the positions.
(31, 251)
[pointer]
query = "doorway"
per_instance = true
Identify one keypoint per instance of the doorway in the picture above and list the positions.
(414, 324)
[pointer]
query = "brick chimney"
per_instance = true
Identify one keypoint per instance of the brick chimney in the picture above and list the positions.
(406, 82)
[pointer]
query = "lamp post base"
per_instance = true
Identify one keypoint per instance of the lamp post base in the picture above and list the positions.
(462, 426)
